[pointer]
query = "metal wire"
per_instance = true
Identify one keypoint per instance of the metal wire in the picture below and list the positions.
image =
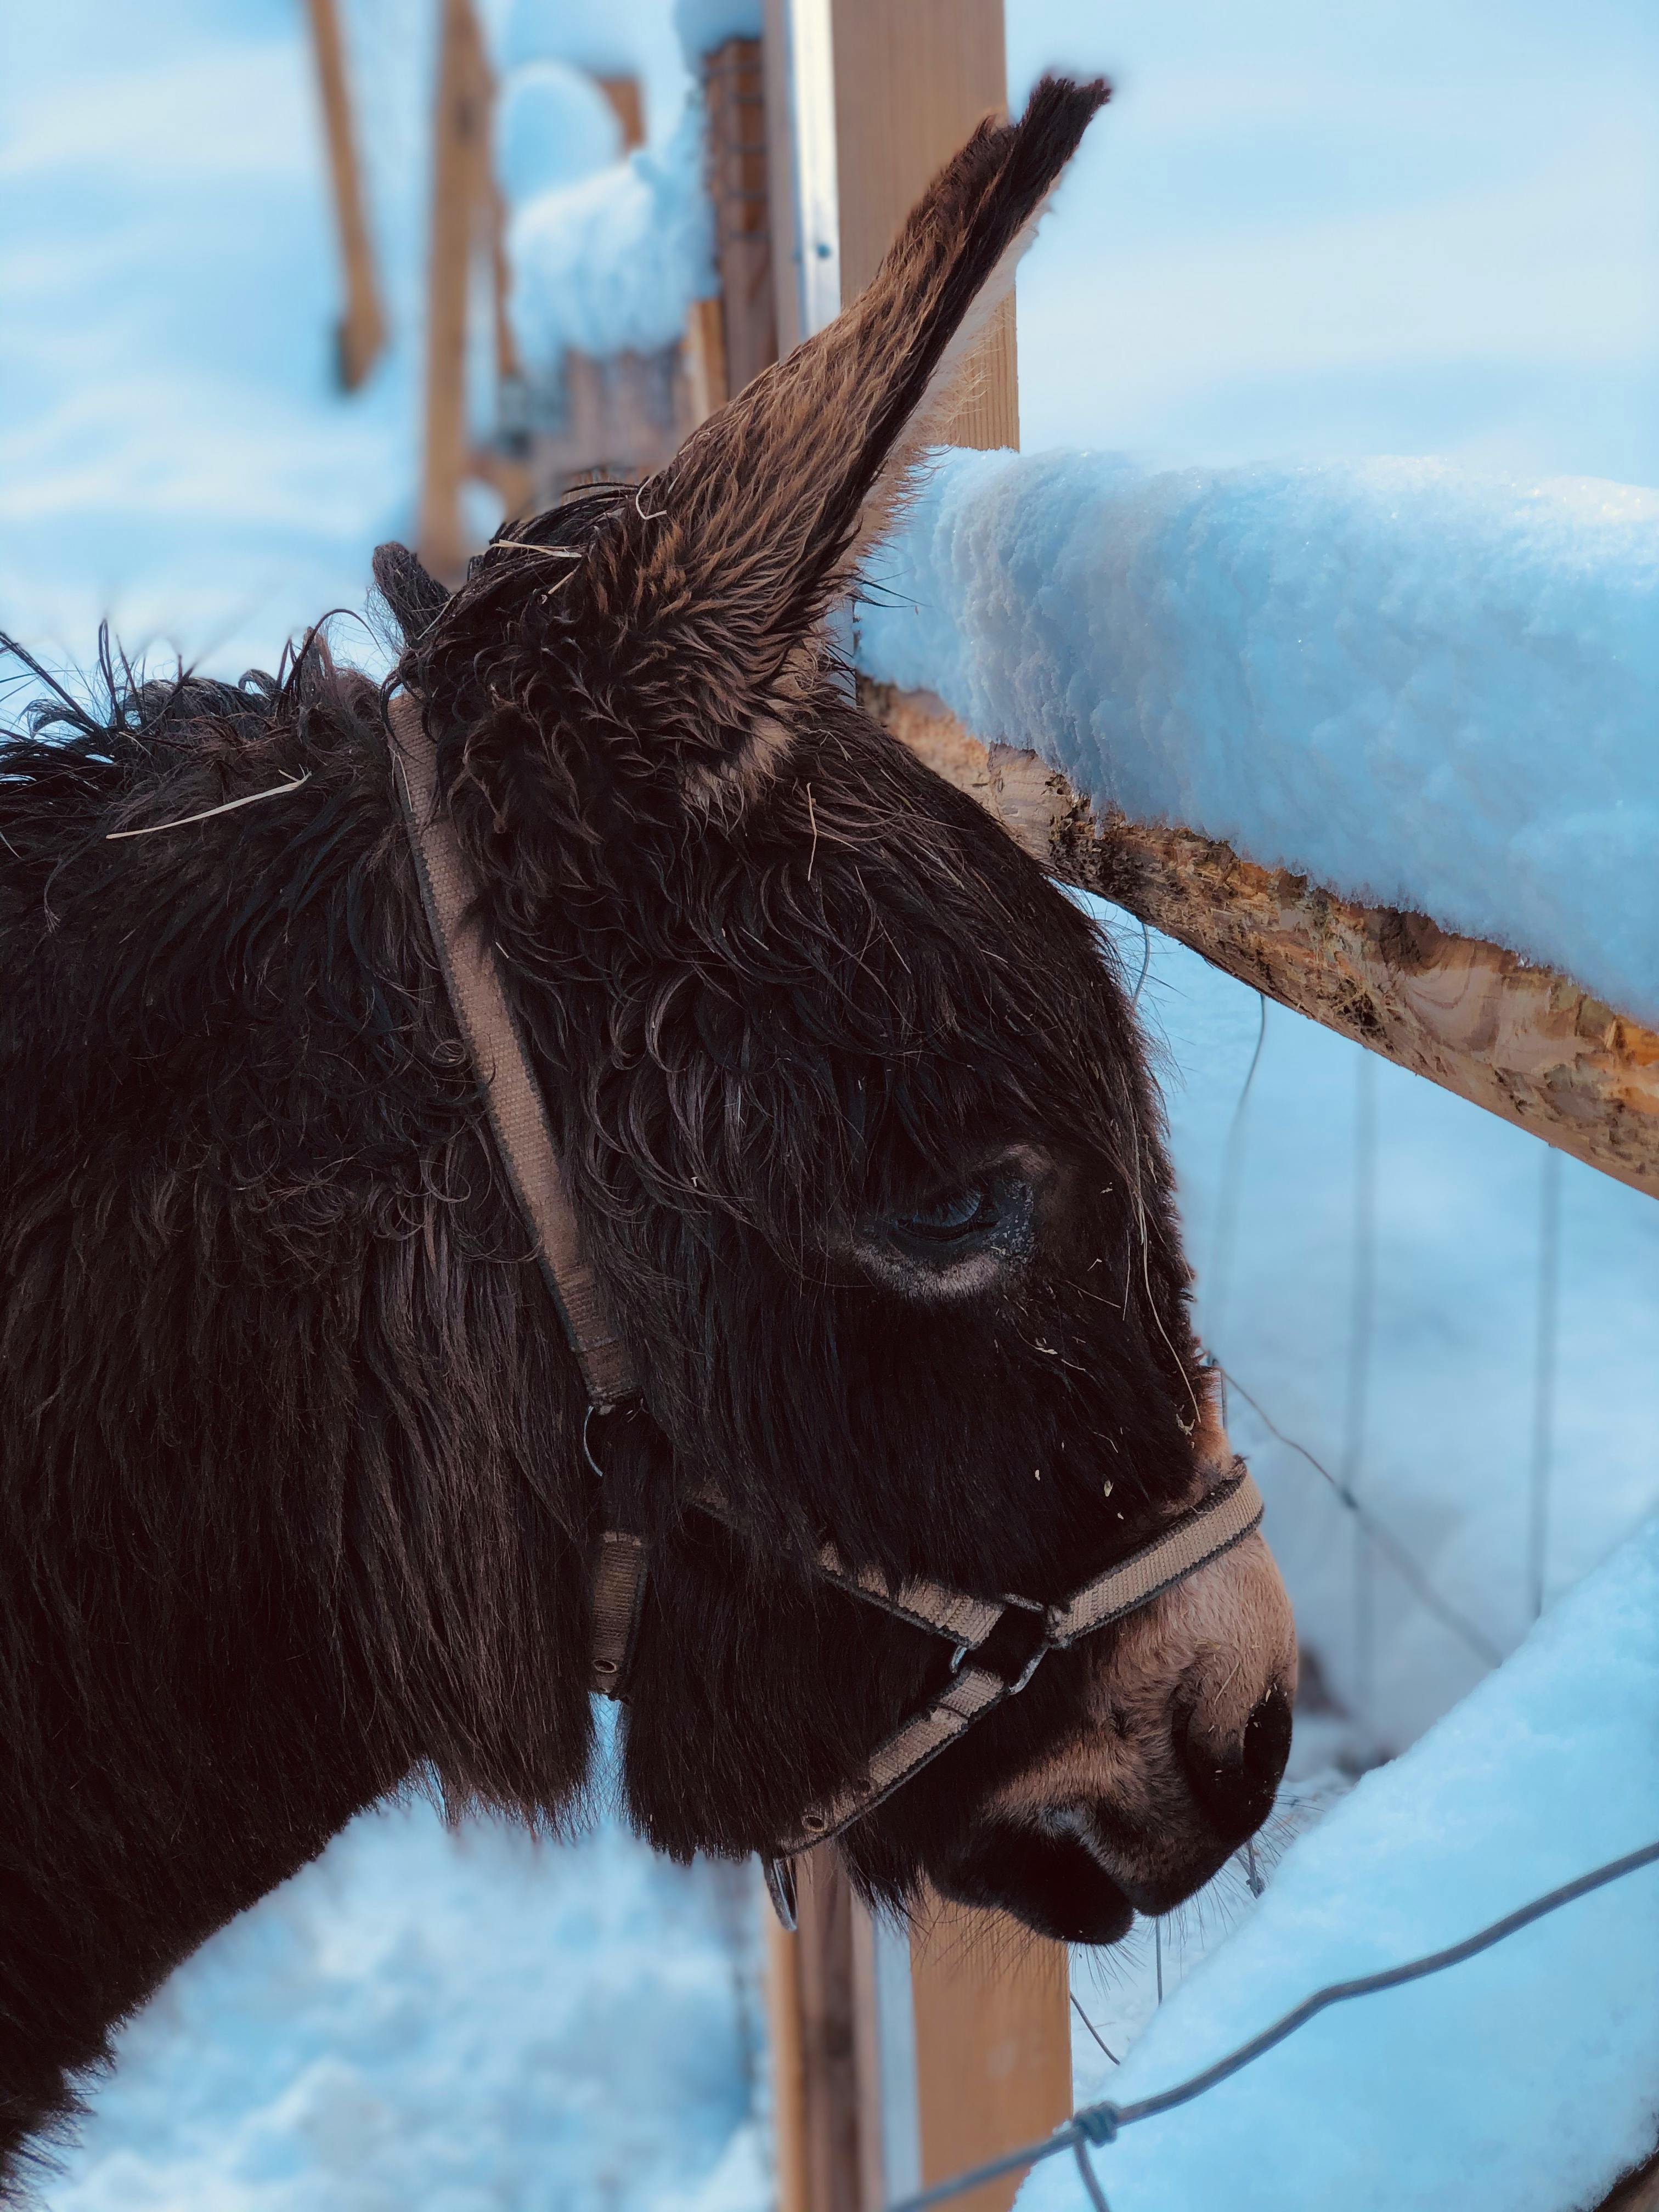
(1093, 2030)
(1383, 1538)
(1544, 1365)
(1101, 2123)
(1226, 1212)
(1362, 1319)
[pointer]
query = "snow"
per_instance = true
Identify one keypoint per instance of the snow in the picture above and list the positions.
(1422, 689)
(703, 25)
(453, 2021)
(174, 453)
(1524, 2081)
(553, 127)
(607, 254)
(612, 264)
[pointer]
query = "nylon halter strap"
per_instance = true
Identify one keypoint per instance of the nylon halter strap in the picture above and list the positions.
(1226, 1516)
(517, 1117)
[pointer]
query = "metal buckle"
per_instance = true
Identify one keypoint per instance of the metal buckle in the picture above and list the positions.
(781, 1888)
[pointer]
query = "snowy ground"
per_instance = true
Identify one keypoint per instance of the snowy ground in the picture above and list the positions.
(1301, 231)
(458, 2023)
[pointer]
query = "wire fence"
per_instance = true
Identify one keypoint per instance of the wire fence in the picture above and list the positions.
(1093, 2126)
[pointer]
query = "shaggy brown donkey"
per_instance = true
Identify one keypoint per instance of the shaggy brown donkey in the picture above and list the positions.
(860, 1136)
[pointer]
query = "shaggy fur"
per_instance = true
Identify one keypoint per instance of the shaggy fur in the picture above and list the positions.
(295, 1512)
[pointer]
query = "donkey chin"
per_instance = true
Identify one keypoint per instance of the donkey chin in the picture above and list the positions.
(1178, 1737)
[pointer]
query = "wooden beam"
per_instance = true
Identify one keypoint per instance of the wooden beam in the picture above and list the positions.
(362, 330)
(993, 2044)
(628, 105)
(911, 83)
(460, 187)
(783, 2023)
(831, 2156)
(1524, 1042)
(1637, 2192)
(739, 191)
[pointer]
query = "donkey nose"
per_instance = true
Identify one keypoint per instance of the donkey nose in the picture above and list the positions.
(1234, 1782)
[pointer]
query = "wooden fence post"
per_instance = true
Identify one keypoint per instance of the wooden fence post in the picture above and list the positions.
(738, 187)
(906, 85)
(460, 192)
(993, 2044)
(362, 326)
(821, 2090)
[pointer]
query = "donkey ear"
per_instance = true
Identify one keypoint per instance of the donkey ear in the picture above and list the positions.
(413, 599)
(749, 531)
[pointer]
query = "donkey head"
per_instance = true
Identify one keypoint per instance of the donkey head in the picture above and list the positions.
(858, 1126)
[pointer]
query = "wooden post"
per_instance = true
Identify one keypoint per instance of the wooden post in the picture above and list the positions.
(993, 2044)
(460, 193)
(362, 331)
(911, 83)
(734, 102)
(821, 2129)
(783, 2021)
(628, 105)
(908, 84)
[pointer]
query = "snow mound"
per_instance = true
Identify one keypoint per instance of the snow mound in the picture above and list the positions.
(1421, 689)
(612, 264)
(553, 126)
(1526, 2080)
(453, 2021)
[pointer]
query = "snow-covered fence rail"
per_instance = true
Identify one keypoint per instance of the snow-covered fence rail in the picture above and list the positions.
(1376, 741)
(1525, 1042)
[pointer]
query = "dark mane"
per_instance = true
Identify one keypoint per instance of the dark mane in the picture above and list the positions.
(245, 1205)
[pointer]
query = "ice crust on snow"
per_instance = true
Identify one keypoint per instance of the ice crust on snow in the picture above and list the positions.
(1421, 689)
(1526, 2080)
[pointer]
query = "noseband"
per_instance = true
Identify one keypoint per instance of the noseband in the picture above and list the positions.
(998, 1643)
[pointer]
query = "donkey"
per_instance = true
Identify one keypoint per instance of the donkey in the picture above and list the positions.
(301, 1485)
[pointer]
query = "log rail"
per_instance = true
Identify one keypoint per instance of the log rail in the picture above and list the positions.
(1522, 1041)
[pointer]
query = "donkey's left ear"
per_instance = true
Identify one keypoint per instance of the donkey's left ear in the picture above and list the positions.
(732, 554)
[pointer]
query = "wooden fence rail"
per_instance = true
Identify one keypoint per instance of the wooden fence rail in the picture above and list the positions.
(1521, 1041)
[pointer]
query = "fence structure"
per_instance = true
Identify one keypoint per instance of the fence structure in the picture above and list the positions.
(900, 2063)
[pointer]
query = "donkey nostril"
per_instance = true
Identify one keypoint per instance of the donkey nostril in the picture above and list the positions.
(1234, 1784)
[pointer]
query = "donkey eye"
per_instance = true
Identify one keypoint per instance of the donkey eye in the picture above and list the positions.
(952, 1220)
(960, 1242)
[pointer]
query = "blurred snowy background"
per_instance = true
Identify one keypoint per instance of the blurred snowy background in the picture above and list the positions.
(1302, 234)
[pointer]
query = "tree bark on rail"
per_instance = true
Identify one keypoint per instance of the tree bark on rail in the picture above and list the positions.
(1523, 1041)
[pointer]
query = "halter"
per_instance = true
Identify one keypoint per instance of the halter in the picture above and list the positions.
(998, 1643)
